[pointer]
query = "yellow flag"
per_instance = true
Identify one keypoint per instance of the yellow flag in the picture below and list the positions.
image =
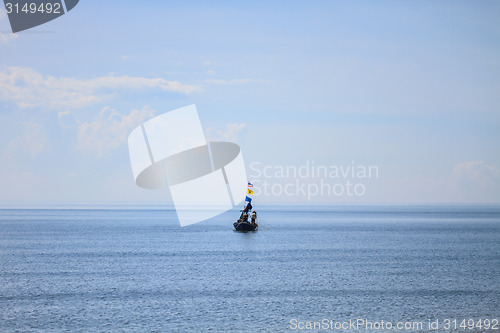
(249, 191)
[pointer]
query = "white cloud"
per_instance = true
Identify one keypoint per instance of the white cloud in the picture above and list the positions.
(476, 179)
(28, 88)
(230, 133)
(5, 37)
(468, 182)
(126, 57)
(231, 82)
(110, 129)
(65, 119)
(32, 141)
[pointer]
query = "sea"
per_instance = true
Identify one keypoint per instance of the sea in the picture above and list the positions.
(394, 268)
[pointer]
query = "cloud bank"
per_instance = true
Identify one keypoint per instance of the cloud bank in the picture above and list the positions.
(110, 129)
(230, 133)
(29, 89)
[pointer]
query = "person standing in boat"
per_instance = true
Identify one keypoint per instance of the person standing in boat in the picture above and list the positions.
(254, 216)
(247, 208)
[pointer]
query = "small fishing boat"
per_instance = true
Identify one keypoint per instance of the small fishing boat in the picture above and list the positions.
(243, 224)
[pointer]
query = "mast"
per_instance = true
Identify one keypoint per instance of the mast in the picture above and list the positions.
(248, 201)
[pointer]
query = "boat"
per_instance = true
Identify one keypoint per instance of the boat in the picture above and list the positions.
(243, 224)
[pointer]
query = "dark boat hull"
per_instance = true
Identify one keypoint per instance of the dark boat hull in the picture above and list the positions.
(245, 226)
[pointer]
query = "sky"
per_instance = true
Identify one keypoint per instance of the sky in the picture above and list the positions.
(410, 89)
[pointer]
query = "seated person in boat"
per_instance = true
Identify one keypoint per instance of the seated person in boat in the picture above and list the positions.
(245, 217)
(254, 216)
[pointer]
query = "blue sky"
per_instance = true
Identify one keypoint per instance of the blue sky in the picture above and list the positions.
(413, 88)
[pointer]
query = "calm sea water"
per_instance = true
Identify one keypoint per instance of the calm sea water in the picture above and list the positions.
(137, 270)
